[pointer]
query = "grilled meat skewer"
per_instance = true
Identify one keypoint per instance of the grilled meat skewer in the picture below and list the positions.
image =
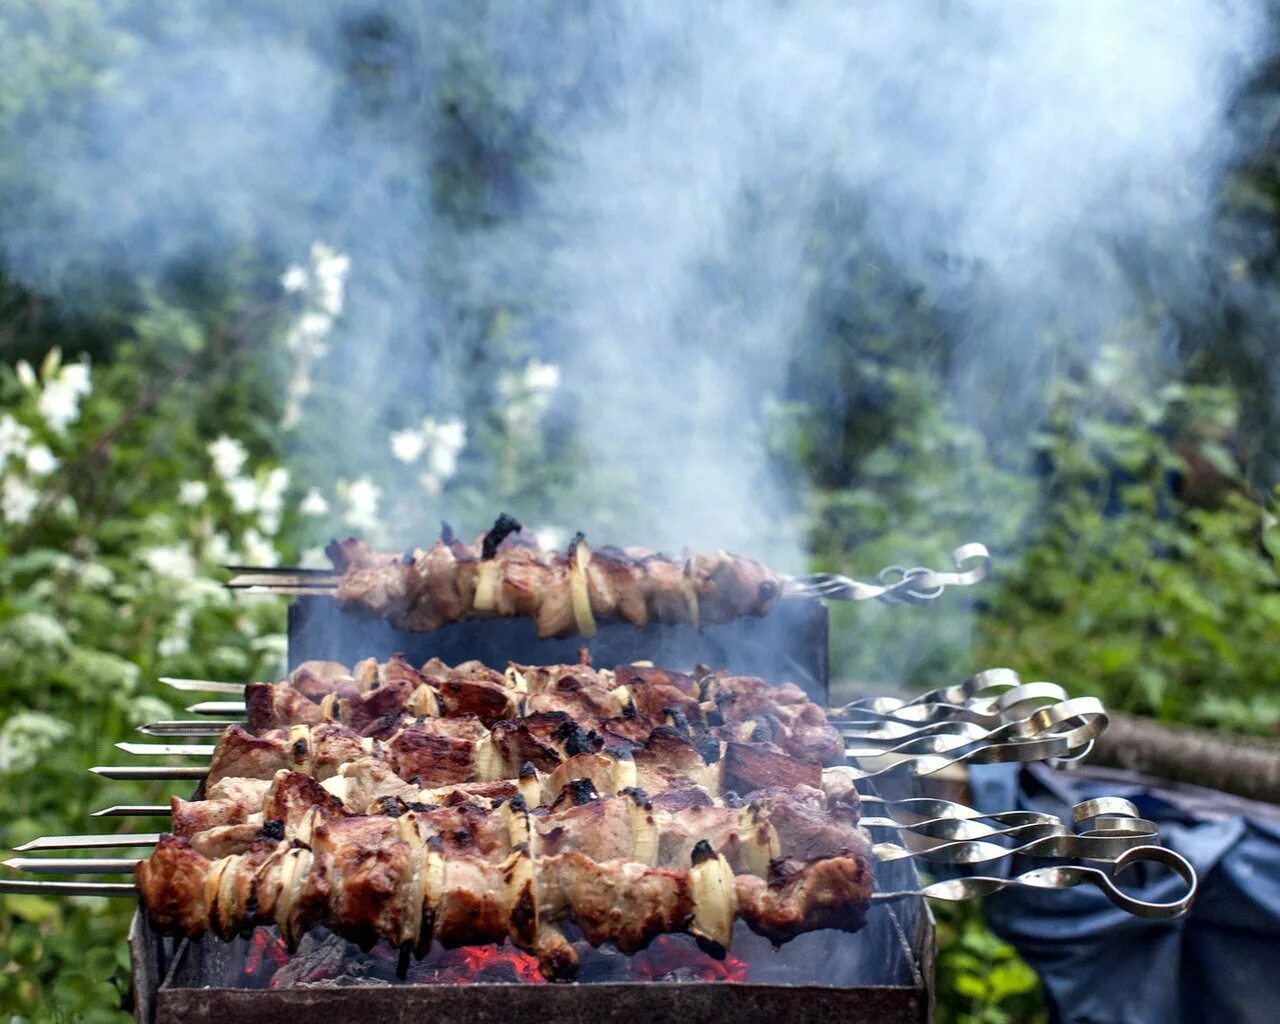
(505, 573)
(799, 823)
(371, 878)
(424, 754)
(375, 698)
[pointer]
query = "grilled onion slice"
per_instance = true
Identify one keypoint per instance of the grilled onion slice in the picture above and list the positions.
(579, 559)
(715, 899)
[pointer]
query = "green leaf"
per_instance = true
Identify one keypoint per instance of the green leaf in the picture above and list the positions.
(30, 908)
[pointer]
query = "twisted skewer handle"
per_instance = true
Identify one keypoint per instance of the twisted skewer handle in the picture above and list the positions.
(1067, 877)
(897, 584)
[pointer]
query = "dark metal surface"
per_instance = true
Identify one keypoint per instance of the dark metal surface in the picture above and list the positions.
(787, 645)
(606, 1004)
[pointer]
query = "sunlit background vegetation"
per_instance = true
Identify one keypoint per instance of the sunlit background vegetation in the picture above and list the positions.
(157, 423)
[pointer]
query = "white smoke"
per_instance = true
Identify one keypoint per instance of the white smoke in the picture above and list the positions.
(666, 243)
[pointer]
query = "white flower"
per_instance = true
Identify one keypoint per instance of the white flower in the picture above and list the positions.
(228, 456)
(243, 493)
(527, 394)
(14, 439)
(541, 378)
(407, 445)
(94, 576)
(360, 498)
(174, 561)
(295, 278)
(440, 440)
(271, 496)
(314, 326)
(331, 273)
(26, 736)
(258, 550)
(32, 632)
(18, 500)
(314, 504)
(192, 492)
(171, 645)
(26, 375)
(40, 460)
(75, 377)
(442, 458)
(59, 401)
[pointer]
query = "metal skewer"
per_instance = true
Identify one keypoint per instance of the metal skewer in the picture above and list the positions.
(217, 707)
(1066, 877)
(73, 865)
(133, 811)
(894, 584)
(188, 727)
(168, 749)
(202, 685)
(149, 773)
(98, 842)
(953, 890)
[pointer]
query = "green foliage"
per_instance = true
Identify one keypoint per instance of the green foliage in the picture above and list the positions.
(1150, 576)
(981, 980)
(104, 584)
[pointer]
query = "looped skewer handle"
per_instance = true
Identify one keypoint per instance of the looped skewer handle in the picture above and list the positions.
(1063, 731)
(1053, 841)
(934, 827)
(1002, 696)
(1067, 877)
(896, 584)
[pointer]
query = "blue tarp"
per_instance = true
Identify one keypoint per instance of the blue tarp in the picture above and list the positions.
(1220, 963)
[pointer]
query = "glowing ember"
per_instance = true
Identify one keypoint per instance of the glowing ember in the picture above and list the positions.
(669, 958)
(264, 944)
(329, 959)
(481, 963)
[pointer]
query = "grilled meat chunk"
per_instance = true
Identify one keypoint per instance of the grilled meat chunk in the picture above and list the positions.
(505, 573)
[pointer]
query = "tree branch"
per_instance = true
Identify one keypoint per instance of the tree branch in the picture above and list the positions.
(1246, 767)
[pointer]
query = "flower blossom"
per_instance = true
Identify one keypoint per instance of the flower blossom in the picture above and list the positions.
(331, 269)
(323, 288)
(26, 736)
(18, 500)
(192, 492)
(440, 441)
(527, 394)
(314, 503)
(40, 460)
(243, 493)
(174, 561)
(295, 278)
(59, 401)
(14, 439)
(360, 498)
(258, 550)
(229, 456)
